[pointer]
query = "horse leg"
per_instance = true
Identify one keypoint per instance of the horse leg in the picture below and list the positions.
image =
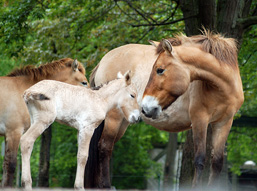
(220, 133)
(122, 130)
(84, 137)
(26, 143)
(12, 140)
(113, 122)
(199, 128)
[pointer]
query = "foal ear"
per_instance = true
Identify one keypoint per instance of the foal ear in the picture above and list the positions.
(75, 65)
(127, 76)
(166, 45)
(119, 75)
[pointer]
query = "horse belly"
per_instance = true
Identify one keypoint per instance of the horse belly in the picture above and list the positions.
(13, 113)
(79, 114)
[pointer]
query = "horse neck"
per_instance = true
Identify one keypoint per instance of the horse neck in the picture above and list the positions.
(110, 94)
(204, 66)
(25, 82)
(61, 75)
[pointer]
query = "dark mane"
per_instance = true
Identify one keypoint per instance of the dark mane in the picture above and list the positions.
(45, 70)
(224, 49)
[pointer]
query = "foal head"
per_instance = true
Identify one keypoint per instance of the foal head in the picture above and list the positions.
(168, 80)
(127, 99)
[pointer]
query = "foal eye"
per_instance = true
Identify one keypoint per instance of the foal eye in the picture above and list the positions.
(160, 71)
(84, 83)
(132, 96)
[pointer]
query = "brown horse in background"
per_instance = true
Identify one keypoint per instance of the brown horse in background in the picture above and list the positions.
(194, 82)
(14, 116)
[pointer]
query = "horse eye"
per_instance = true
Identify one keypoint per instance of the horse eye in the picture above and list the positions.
(132, 96)
(84, 83)
(160, 71)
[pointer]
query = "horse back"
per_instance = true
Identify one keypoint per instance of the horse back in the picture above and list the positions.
(122, 59)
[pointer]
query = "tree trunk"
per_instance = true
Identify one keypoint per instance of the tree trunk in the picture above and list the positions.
(187, 166)
(44, 162)
(168, 181)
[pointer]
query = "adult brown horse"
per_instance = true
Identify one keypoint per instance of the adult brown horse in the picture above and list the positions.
(14, 116)
(194, 82)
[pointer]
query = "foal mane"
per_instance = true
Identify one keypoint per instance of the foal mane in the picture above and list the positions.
(224, 49)
(45, 70)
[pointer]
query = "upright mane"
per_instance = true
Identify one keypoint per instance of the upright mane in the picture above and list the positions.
(224, 49)
(45, 70)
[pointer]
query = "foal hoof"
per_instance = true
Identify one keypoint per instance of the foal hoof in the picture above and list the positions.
(80, 188)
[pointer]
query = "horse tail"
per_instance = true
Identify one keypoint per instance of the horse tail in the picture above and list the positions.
(92, 76)
(92, 168)
(34, 96)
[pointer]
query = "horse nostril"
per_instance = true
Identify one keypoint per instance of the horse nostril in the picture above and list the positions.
(143, 111)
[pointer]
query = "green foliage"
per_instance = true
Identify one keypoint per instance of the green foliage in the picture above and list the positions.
(63, 156)
(131, 162)
(8, 64)
(241, 147)
(15, 22)
(248, 66)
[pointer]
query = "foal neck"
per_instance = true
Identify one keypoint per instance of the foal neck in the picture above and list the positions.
(109, 93)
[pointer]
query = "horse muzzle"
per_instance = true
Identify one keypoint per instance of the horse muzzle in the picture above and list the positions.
(150, 107)
(134, 116)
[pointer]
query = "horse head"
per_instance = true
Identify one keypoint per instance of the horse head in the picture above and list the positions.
(74, 73)
(169, 79)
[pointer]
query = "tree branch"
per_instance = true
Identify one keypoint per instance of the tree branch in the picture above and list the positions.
(247, 22)
(172, 13)
(138, 12)
(248, 58)
(160, 24)
(116, 2)
(145, 34)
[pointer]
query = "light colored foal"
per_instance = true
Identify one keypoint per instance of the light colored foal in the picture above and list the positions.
(78, 107)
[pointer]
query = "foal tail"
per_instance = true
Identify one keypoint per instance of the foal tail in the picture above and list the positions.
(34, 96)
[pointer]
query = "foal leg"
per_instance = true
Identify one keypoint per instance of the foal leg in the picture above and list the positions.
(199, 128)
(12, 140)
(220, 133)
(84, 137)
(42, 117)
(113, 123)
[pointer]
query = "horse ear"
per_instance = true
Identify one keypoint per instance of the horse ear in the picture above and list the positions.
(127, 76)
(154, 43)
(166, 45)
(75, 65)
